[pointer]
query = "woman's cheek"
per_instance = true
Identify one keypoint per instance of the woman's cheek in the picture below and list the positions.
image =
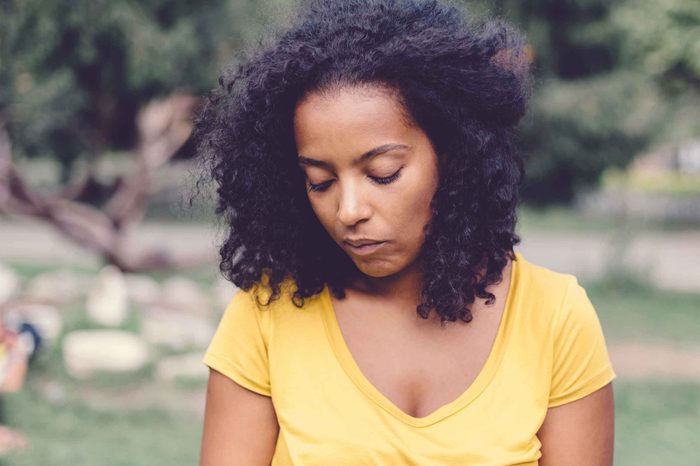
(325, 216)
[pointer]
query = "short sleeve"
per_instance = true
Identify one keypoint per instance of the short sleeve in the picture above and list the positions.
(581, 364)
(239, 346)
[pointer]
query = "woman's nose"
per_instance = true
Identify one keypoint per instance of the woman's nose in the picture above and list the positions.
(352, 205)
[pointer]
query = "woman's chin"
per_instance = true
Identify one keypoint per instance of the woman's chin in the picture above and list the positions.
(377, 269)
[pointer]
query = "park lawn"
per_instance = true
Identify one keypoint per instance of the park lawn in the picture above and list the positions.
(638, 312)
(110, 419)
(655, 420)
(558, 219)
(565, 219)
(656, 423)
(76, 434)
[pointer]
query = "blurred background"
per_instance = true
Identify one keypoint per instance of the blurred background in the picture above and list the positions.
(106, 250)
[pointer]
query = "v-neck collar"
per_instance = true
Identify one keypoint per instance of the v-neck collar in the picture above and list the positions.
(486, 374)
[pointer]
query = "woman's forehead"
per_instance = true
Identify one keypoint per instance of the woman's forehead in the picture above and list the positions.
(348, 119)
(347, 105)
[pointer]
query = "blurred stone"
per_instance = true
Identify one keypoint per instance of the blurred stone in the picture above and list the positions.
(107, 302)
(45, 317)
(176, 329)
(58, 286)
(142, 289)
(184, 294)
(9, 283)
(186, 366)
(87, 351)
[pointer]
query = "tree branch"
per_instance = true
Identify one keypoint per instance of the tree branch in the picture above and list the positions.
(164, 126)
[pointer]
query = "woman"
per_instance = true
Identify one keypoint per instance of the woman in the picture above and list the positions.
(366, 172)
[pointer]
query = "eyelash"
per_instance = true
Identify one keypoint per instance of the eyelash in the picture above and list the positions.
(385, 180)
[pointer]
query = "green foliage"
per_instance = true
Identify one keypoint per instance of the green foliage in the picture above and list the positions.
(578, 128)
(571, 38)
(75, 73)
(612, 78)
(662, 39)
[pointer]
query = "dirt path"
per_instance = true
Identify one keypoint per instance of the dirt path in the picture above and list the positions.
(671, 259)
(644, 360)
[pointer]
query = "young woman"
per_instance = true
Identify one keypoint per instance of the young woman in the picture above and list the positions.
(366, 172)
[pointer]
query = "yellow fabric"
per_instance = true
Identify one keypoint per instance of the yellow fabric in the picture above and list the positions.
(549, 350)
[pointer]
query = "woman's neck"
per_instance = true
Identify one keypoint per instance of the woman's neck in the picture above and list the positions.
(404, 286)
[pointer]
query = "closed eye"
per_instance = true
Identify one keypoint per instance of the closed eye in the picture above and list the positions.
(377, 179)
(319, 187)
(387, 179)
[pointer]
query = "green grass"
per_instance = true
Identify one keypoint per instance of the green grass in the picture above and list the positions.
(637, 312)
(656, 420)
(204, 275)
(565, 219)
(669, 183)
(160, 429)
(28, 270)
(76, 434)
(656, 423)
(558, 219)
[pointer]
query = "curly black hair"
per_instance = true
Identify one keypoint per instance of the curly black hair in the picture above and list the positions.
(465, 83)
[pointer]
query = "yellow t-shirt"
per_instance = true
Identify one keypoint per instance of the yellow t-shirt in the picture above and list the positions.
(549, 350)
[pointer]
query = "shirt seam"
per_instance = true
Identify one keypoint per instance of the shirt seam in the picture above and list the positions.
(231, 368)
(608, 369)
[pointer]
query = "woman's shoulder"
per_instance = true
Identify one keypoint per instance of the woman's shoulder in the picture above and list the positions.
(284, 312)
(538, 276)
(261, 293)
(541, 287)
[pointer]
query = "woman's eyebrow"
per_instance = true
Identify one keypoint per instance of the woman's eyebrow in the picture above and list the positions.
(366, 156)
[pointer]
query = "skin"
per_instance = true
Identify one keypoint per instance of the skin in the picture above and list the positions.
(240, 426)
(581, 432)
(350, 195)
(16, 369)
(13, 380)
(332, 130)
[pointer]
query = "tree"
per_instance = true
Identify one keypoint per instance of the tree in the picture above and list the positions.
(603, 87)
(163, 127)
(87, 78)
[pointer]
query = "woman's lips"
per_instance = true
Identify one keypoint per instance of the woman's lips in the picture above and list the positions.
(365, 249)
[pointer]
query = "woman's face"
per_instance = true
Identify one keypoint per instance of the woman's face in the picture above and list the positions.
(370, 177)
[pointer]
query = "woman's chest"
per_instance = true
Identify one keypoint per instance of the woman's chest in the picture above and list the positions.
(329, 417)
(418, 367)
(329, 409)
